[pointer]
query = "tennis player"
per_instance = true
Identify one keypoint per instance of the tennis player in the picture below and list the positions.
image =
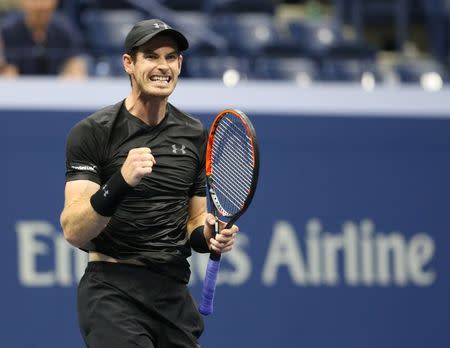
(135, 200)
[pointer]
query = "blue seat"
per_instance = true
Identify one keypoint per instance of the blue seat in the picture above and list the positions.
(240, 6)
(361, 13)
(197, 28)
(314, 37)
(414, 71)
(183, 5)
(215, 67)
(321, 38)
(437, 22)
(101, 4)
(301, 70)
(105, 30)
(348, 69)
(106, 66)
(250, 34)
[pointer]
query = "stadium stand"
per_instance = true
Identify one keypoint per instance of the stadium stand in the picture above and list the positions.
(301, 70)
(299, 40)
(228, 68)
(105, 31)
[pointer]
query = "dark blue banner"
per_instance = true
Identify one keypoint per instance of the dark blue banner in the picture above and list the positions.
(345, 245)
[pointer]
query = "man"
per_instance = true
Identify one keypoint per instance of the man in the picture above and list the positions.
(135, 200)
(38, 41)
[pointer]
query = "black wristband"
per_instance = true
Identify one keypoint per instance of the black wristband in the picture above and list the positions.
(198, 240)
(106, 200)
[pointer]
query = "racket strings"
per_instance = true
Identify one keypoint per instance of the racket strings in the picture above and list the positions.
(232, 163)
(238, 153)
(233, 199)
(230, 196)
(229, 132)
(228, 180)
(221, 174)
(236, 164)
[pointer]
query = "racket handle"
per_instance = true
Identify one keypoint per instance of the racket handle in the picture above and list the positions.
(209, 287)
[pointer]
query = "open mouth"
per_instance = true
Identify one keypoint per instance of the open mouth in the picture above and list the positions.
(161, 79)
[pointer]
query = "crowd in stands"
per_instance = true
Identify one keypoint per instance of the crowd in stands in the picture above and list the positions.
(37, 40)
(369, 41)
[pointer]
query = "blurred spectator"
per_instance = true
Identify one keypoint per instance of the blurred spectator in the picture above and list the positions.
(7, 5)
(2, 56)
(39, 41)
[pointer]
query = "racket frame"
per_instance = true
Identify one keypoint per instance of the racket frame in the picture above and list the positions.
(206, 305)
(215, 204)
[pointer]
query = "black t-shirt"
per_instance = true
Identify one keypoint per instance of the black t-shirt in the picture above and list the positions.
(150, 223)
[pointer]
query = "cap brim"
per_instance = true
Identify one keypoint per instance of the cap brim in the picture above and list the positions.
(181, 40)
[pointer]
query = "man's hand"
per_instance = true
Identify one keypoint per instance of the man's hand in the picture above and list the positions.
(224, 240)
(138, 163)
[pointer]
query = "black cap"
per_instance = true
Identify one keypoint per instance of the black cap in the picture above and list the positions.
(144, 30)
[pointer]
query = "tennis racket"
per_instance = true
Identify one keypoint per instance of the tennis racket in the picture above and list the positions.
(232, 165)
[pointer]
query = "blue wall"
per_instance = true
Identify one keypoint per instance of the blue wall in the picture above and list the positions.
(346, 243)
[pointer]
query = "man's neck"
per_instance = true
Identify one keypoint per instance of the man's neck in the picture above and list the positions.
(38, 30)
(150, 110)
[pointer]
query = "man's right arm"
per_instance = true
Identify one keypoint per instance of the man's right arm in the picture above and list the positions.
(79, 221)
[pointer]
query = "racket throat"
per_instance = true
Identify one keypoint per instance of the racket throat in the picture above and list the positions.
(216, 202)
(213, 255)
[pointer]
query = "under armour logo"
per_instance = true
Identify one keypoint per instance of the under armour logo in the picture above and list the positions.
(159, 25)
(181, 149)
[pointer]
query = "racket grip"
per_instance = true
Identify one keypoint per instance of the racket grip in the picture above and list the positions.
(209, 287)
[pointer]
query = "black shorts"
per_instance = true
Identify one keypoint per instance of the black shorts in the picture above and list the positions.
(121, 305)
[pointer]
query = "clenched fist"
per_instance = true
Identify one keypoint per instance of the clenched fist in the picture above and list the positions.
(138, 163)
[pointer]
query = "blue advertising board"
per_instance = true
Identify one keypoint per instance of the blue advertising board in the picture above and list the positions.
(345, 244)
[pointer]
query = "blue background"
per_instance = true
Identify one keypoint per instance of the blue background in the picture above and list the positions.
(389, 169)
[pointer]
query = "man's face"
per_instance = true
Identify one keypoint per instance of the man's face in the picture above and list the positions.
(38, 12)
(156, 67)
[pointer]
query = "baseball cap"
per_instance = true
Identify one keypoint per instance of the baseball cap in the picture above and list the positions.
(145, 30)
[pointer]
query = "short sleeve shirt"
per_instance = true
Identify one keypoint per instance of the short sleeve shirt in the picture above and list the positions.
(150, 223)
